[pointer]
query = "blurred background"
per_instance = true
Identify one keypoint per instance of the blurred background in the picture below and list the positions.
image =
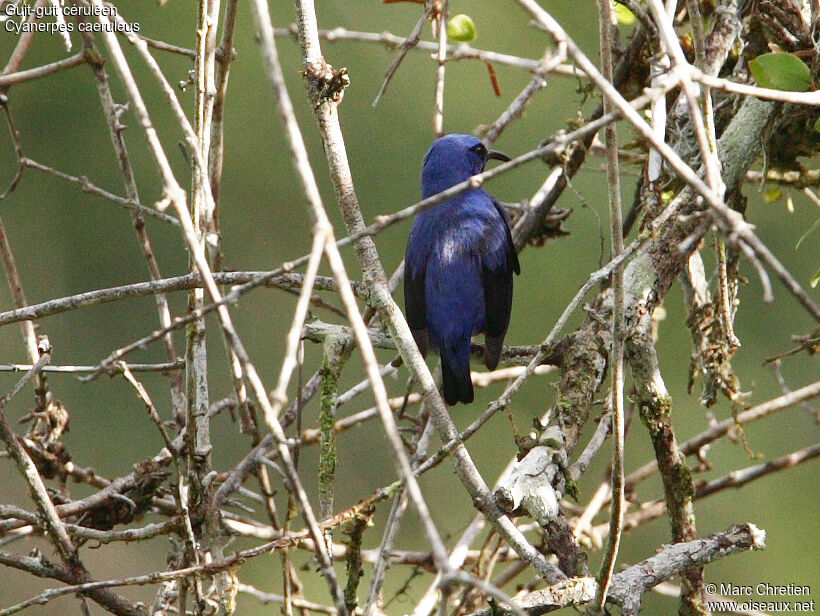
(66, 241)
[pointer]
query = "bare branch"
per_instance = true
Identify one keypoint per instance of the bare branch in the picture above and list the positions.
(629, 586)
(8, 79)
(618, 326)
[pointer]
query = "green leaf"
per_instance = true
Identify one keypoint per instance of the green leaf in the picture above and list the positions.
(624, 16)
(461, 28)
(816, 279)
(781, 71)
(817, 126)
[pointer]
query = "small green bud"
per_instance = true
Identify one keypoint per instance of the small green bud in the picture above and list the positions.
(461, 28)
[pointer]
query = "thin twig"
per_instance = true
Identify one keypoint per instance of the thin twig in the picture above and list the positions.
(581, 463)
(23, 44)
(441, 55)
(161, 367)
(27, 328)
(462, 51)
(720, 429)
(91, 188)
(410, 42)
(783, 96)
(276, 278)
(384, 556)
(294, 334)
(37, 566)
(8, 79)
(516, 107)
(618, 334)
(734, 479)
(266, 597)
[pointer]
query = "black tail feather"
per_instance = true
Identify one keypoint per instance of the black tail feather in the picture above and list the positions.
(455, 375)
(492, 350)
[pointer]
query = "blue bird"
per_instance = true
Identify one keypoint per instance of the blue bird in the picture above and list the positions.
(458, 276)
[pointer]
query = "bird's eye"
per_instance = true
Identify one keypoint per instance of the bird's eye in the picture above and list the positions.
(480, 150)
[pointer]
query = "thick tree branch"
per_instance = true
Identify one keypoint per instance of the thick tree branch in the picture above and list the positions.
(629, 586)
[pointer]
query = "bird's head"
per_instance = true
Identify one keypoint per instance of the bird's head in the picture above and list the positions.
(453, 159)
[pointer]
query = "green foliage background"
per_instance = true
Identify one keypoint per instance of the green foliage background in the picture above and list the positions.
(66, 241)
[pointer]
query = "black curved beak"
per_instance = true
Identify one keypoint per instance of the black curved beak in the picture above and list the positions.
(498, 156)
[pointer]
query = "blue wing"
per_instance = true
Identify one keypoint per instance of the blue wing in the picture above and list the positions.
(415, 270)
(500, 261)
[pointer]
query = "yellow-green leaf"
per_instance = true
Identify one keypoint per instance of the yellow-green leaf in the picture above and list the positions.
(624, 16)
(461, 28)
(772, 194)
(810, 230)
(816, 279)
(781, 71)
